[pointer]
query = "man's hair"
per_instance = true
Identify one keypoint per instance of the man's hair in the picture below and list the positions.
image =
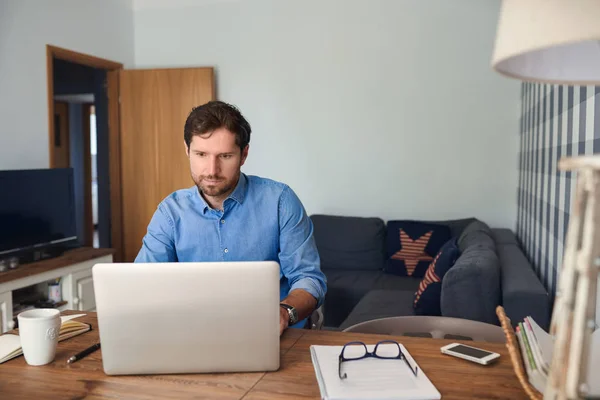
(213, 115)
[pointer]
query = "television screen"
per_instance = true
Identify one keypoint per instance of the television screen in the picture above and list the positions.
(36, 209)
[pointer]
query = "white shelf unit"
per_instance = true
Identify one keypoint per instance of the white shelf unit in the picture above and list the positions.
(77, 288)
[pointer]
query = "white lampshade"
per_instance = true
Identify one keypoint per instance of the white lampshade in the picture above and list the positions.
(551, 41)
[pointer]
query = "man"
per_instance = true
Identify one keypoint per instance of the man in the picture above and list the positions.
(229, 216)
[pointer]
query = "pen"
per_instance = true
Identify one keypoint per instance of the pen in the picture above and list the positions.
(83, 353)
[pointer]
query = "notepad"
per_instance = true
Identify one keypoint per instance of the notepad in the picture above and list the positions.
(370, 378)
(10, 344)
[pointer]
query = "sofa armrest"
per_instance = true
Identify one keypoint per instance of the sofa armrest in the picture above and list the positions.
(471, 288)
(522, 292)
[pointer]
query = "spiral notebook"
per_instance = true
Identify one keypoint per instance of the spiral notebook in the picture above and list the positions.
(10, 344)
(370, 378)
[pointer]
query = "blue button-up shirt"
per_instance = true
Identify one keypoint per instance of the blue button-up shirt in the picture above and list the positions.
(262, 220)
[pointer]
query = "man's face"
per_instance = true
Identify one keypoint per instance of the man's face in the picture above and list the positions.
(215, 163)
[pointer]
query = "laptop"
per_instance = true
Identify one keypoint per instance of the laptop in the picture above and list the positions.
(166, 318)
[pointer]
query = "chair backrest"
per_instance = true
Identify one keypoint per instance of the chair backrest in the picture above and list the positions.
(432, 327)
(315, 321)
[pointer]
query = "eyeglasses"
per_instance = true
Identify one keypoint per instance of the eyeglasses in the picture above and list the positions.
(355, 351)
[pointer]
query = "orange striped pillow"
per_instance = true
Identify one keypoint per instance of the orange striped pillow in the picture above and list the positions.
(428, 296)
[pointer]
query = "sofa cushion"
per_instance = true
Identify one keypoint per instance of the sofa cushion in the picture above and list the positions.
(380, 304)
(396, 282)
(352, 280)
(477, 233)
(471, 288)
(457, 226)
(411, 246)
(428, 296)
(522, 292)
(345, 288)
(349, 242)
(504, 236)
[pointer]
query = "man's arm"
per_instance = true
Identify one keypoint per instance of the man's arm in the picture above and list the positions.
(302, 301)
(158, 244)
(299, 258)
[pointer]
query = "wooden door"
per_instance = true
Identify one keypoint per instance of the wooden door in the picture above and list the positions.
(61, 143)
(154, 105)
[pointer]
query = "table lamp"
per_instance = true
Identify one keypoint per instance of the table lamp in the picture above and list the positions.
(558, 42)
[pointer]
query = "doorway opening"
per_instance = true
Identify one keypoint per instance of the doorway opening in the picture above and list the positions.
(93, 149)
(84, 136)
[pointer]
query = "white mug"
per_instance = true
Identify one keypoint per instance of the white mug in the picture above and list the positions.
(39, 330)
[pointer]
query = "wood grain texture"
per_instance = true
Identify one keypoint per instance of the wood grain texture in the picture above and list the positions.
(86, 379)
(80, 58)
(154, 107)
(68, 258)
(453, 377)
(114, 168)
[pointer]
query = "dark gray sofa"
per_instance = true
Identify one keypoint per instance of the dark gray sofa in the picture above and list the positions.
(491, 270)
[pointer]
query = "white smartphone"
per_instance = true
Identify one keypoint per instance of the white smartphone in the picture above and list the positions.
(470, 353)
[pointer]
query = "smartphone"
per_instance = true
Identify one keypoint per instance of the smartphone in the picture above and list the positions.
(470, 353)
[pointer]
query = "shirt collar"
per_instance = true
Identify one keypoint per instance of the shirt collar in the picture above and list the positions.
(238, 194)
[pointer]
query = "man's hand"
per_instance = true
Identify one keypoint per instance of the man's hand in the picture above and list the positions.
(284, 320)
(302, 301)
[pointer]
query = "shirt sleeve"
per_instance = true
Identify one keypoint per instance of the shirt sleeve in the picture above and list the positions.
(158, 244)
(298, 256)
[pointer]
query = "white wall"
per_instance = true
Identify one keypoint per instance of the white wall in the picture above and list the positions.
(371, 108)
(100, 28)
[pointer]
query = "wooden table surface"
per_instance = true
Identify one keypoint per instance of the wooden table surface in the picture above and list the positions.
(85, 379)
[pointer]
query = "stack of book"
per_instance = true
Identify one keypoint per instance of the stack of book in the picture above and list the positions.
(536, 350)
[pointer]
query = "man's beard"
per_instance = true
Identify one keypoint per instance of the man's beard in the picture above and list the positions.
(217, 189)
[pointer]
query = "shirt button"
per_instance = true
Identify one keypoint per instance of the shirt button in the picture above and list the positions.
(226, 251)
(222, 221)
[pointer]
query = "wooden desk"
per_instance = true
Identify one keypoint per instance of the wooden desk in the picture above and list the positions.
(454, 378)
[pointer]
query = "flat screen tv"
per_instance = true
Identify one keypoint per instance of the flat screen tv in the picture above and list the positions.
(37, 213)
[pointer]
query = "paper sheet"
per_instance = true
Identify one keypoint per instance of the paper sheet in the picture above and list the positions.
(9, 344)
(546, 343)
(65, 318)
(370, 378)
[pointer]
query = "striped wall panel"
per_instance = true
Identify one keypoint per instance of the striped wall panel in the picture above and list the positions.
(556, 121)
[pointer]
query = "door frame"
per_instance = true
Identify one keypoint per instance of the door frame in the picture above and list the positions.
(114, 137)
(87, 171)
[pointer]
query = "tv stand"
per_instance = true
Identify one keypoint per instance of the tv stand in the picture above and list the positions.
(44, 253)
(74, 268)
